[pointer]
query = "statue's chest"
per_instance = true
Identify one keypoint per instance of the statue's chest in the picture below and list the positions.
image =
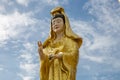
(54, 48)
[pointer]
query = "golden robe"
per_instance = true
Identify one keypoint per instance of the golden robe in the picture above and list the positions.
(64, 68)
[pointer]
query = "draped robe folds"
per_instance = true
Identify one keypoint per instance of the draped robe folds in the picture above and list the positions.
(63, 68)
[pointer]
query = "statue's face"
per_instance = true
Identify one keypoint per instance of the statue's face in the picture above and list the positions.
(58, 25)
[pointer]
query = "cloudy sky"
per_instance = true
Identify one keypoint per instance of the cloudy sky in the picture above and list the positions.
(24, 22)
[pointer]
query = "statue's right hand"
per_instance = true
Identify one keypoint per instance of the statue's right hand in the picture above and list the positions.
(40, 47)
(40, 50)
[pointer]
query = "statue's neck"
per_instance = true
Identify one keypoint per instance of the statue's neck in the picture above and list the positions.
(59, 35)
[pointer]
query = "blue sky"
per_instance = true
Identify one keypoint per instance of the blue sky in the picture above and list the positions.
(24, 22)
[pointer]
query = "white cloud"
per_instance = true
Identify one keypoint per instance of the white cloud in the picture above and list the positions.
(107, 15)
(1, 68)
(28, 46)
(28, 55)
(101, 42)
(94, 58)
(28, 67)
(13, 25)
(23, 2)
(55, 2)
(2, 8)
(5, 1)
(92, 39)
(113, 61)
(86, 67)
(43, 2)
(25, 77)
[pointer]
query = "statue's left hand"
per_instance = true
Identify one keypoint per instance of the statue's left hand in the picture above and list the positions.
(55, 56)
(59, 55)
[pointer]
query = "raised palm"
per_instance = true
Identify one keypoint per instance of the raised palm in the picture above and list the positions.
(40, 50)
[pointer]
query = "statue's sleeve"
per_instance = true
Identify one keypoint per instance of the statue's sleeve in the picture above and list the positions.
(70, 58)
(44, 67)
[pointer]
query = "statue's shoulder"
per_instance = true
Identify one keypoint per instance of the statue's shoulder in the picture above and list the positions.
(70, 41)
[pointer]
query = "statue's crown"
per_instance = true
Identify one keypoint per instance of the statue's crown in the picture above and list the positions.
(56, 10)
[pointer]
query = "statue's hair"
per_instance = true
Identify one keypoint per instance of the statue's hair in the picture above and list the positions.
(59, 15)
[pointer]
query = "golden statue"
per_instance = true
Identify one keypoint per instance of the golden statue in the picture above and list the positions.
(59, 54)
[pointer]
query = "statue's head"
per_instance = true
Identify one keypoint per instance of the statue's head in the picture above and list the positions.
(58, 23)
